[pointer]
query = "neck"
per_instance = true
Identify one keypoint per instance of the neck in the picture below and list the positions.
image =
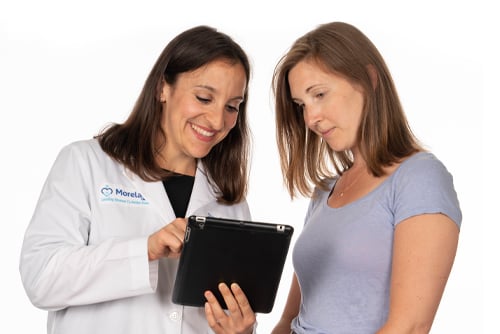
(180, 166)
(358, 165)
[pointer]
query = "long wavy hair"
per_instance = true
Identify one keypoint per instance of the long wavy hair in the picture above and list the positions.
(384, 135)
(137, 142)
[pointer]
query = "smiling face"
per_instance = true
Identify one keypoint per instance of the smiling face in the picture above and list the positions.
(199, 110)
(331, 105)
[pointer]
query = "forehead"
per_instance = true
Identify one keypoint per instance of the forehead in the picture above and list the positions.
(217, 74)
(308, 73)
(309, 68)
(216, 67)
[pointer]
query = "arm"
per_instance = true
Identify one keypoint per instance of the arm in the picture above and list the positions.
(291, 309)
(423, 255)
(59, 264)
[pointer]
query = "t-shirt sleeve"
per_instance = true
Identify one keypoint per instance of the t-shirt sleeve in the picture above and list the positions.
(424, 186)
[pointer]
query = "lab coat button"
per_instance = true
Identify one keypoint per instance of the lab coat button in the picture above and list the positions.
(174, 316)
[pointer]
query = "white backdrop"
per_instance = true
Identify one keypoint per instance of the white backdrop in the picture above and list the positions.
(67, 68)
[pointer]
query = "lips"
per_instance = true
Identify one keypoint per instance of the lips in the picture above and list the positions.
(201, 131)
(324, 133)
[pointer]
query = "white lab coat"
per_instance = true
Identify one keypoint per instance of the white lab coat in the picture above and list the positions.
(84, 256)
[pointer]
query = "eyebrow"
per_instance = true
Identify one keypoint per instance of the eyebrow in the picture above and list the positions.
(210, 88)
(308, 89)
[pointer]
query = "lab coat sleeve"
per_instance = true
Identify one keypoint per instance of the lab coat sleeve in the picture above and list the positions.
(58, 266)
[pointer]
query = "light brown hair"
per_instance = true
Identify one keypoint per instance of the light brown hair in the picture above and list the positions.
(384, 136)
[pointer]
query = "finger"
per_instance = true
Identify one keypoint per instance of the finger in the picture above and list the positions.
(216, 311)
(212, 321)
(174, 234)
(180, 224)
(241, 299)
(172, 242)
(168, 241)
(178, 231)
(177, 228)
(231, 303)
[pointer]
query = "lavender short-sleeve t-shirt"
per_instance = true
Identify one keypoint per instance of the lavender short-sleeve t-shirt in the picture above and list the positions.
(342, 257)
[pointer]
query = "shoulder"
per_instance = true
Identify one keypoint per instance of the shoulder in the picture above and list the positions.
(83, 149)
(422, 184)
(423, 169)
(83, 146)
(421, 160)
(84, 155)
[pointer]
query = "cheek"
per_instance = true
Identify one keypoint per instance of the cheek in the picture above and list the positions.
(358, 102)
(356, 116)
(189, 109)
(230, 120)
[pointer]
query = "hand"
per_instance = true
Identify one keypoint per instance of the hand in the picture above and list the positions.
(168, 241)
(239, 319)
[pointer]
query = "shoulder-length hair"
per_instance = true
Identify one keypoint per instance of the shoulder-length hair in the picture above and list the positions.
(384, 136)
(137, 142)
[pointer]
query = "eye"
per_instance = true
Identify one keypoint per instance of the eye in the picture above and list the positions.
(320, 95)
(231, 108)
(204, 100)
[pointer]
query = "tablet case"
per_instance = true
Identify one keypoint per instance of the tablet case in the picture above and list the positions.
(216, 250)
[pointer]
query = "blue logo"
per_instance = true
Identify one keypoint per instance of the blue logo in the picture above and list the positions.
(116, 194)
(107, 191)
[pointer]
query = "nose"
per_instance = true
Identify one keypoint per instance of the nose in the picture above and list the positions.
(312, 115)
(216, 118)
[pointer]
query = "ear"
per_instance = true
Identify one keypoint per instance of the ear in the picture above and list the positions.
(373, 74)
(164, 92)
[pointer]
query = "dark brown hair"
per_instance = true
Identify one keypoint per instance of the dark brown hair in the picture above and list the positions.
(384, 136)
(137, 142)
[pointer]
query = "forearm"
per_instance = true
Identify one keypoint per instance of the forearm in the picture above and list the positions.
(70, 275)
(291, 310)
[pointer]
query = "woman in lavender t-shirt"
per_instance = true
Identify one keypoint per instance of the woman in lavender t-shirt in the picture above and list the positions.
(382, 228)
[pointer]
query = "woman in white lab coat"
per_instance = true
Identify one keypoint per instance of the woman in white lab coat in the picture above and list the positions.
(101, 251)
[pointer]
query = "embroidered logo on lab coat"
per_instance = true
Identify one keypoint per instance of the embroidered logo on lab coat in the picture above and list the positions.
(117, 194)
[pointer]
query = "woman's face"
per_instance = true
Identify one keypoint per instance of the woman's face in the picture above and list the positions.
(331, 105)
(199, 110)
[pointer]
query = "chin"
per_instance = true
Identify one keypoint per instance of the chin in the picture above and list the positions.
(200, 154)
(338, 149)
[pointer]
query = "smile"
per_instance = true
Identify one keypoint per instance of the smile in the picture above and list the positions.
(202, 132)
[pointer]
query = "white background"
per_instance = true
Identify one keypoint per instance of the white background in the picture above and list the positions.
(67, 68)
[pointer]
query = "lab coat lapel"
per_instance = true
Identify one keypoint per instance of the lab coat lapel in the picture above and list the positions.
(202, 193)
(154, 192)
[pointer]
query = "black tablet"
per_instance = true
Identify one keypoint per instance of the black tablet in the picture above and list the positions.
(217, 250)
